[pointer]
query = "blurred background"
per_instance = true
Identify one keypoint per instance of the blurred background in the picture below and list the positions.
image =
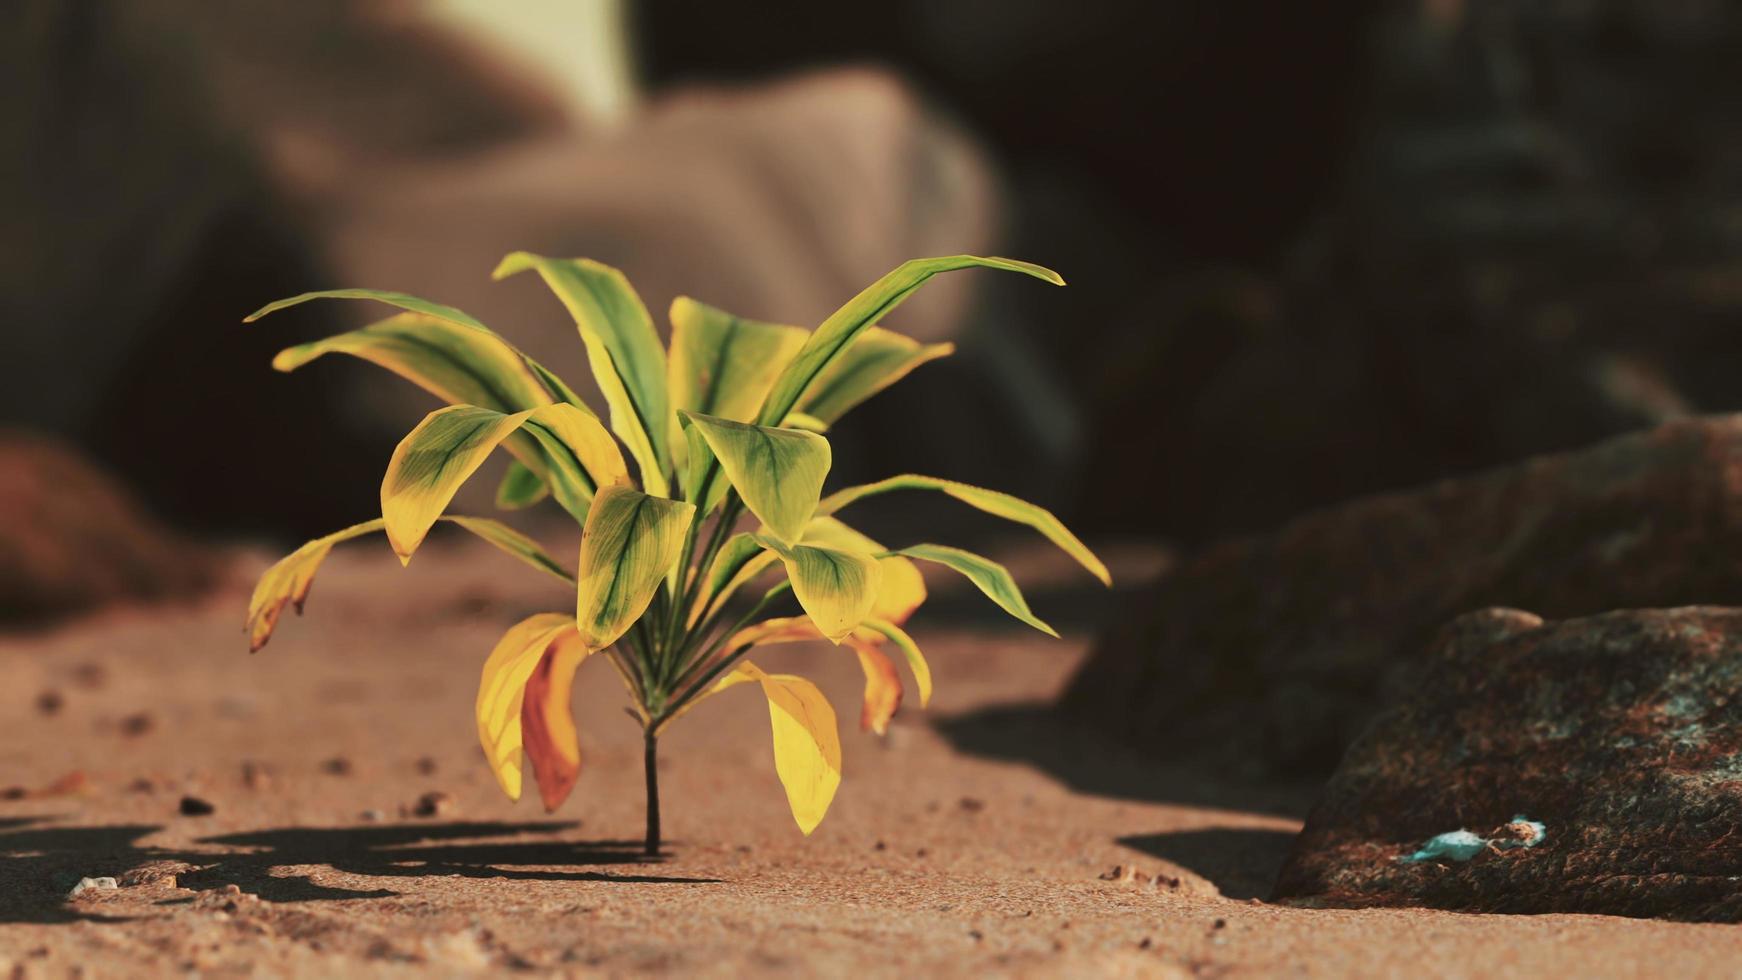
(1315, 250)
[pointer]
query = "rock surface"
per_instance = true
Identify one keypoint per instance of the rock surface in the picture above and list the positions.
(1621, 734)
(72, 538)
(1273, 651)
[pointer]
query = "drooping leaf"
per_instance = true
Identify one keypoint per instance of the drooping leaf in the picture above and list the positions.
(991, 501)
(807, 744)
(547, 723)
(837, 588)
(520, 487)
(723, 365)
(873, 362)
(288, 581)
(704, 484)
(987, 575)
(909, 649)
(779, 473)
(631, 540)
(900, 590)
(412, 304)
(503, 686)
(623, 351)
(882, 685)
(447, 447)
(872, 304)
(445, 352)
(741, 560)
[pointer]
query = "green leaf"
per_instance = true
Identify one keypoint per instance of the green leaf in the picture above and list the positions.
(878, 359)
(991, 501)
(406, 302)
(623, 350)
(778, 472)
(872, 304)
(836, 587)
(630, 542)
(288, 581)
(740, 560)
(447, 447)
(724, 365)
(987, 575)
(520, 487)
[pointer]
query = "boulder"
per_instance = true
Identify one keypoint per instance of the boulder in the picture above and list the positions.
(71, 538)
(1593, 765)
(1271, 652)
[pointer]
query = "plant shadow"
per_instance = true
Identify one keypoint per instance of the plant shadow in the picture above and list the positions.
(39, 863)
(1242, 862)
(1088, 762)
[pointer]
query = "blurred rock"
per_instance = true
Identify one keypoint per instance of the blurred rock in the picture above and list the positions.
(1619, 733)
(1270, 653)
(72, 539)
(1535, 247)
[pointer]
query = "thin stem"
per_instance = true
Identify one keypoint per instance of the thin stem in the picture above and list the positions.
(650, 764)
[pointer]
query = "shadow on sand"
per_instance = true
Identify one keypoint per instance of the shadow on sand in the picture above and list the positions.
(1093, 764)
(1242, 862)
(40, 861)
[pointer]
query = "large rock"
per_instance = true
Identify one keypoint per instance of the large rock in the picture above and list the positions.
(71, 538)
(1273, 650)
(1620, 734)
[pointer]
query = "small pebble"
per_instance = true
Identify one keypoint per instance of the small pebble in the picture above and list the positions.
(426, 766)
(255, 775)
(972, 805)
(50, 702)
(193, 806)
(14, 793)
(432, 804)
(142, 785)
(104, 883)
(139, 724)
(91, 675)
(338, 765)
(880, 846)
(372, 816)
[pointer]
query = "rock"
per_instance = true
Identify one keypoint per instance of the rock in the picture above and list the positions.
(433, 804)
(92, 884)
(193, 806)
(1271, 652)
(1620, 735)
(75, 539)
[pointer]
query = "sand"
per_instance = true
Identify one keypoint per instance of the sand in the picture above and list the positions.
(975, 839)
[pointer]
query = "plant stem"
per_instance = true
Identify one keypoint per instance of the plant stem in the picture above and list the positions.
(652, 767)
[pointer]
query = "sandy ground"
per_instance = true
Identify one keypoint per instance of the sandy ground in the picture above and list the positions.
(974, 839)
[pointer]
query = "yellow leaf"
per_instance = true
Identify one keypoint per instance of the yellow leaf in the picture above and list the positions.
(723, 365)
(991, 501)
(447, 447)
(882, 686)
(874, 302)
(288, 581)
(502, 689)
(871, 363)
(900, 591)
(623, 351)
(547, 723)
(807, 746)
(631, 540)
(836, 587)
(882, 628)
(778, 472)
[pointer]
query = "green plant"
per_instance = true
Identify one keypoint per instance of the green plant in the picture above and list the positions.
(729, 421)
